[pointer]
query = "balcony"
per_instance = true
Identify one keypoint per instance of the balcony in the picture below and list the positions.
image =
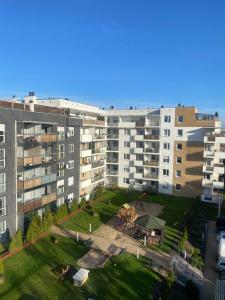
(150, 163)
(139, 137)
(138, 150)
(219, 168)
(97, 178)
(152, 124)
(36, 203)
(208, 153)
(112, 161)
(138, 163)
(85, 152)
(208, 169)
(97, 151)
(86, 138)
(113, 136)
(24, 184)
(151, 137)
(207, 183)
(112, 173)
(36, 160)
(112, 148)
(151, 176)
(87, 122)
(140, 124)
(98, 137)
(151, 150)
(138, 175)
(97, 164)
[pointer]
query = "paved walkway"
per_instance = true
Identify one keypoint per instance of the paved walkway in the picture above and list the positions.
(210, 274)
(119, 240)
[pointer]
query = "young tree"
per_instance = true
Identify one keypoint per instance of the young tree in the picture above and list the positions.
(16, 242)
(47, 220)
(34, 229)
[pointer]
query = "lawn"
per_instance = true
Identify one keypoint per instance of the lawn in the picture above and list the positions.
(30, 275)
(107, 205)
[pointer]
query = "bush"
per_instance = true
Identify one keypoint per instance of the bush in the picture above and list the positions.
(16, 242)
(82, 203)
(191, 290)
(1, 268)
(74, 206)
(61, 212)
(34, 229)
(98, 191)
(47, 220)
(196, 259)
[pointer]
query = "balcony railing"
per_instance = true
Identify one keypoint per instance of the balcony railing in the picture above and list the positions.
(151, 137)
(112, 160)
(140, 124)
(93, 122)
(100, 150)
(97, 164)
(97, 178)
(36, 203)
(151, 176)
(151, 163)
(98, 137)
(31, 183)
(112, 172)
(112, 148)
(151, 150)
(113, 136)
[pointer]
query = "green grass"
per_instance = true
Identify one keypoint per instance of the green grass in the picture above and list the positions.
(81, 221)
(31, 275)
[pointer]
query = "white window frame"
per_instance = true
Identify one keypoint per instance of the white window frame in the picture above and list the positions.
(166, 159)
(180, 132)
(167, 171)
(166, 132)
(71, 131)
(177, 162)
(167, 119)
(4, 227)
(2, 133)
(3, 184)
(178, 119)
(166, 146)
(3, 159)
(70, 165)
(71, 148)
(60, 152)
(71, 181)
(178, 148)
(178, 173)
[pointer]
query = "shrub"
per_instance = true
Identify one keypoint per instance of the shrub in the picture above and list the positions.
(74, 206)
(1, 268)
(47, 220)
(196, 259)
(170, 279)
(82, 203)
(34, 229)
(61, 212)
(16, 242)
(98, 192)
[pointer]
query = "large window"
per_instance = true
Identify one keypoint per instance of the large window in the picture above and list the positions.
(2, 206)
(167, 119)
(166, 132)
(166, 146)
(2, 183)
(2, 133)
(61, 133)
(165, 172)
(61, 151)
(71, 131)
(60, 171)
(2, 158)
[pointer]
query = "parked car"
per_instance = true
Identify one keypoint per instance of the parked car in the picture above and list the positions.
(221, 256)
(221, 235)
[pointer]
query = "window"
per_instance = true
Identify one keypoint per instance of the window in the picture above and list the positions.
(60, 201)
(71, 148)
(60, 151)
(61, 133)
(71, 131)
(180, 132)
(178, 187)
(179, 146)
(60, 186)
(178, 173)
(166, 146)
(2, 133)
(127, 131)
(127, 144)
(166, 132)
(167, 119)
(165, 172)
(2, 158)
(60, 171)
(2, 227)
(179, 160)
(70, 197)
(2, 206)
(126, 169)
(126, 180)
(180, 119)
(70, 164)
(71, 181)
(126, 156)
(165, 186)
(166, 159)
(2, 183)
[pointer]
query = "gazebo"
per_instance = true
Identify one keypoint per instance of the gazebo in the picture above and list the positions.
(152, 227)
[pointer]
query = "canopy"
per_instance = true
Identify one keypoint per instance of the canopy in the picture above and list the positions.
(150, 222)
(81, 274)
(126, 206)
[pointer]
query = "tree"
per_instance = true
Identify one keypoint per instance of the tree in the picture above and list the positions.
(74, 206)
(16, 242)
(82, 203)
(170, 279)
(34, 229)
(1, 272)
(196, 259)
(47, 220)
(183, 240)
(61, 212)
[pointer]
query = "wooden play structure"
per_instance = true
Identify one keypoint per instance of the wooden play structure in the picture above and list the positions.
(127, 213)
(140, 201)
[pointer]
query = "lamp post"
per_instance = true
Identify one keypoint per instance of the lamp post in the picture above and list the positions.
(138, 252)
(90, 229)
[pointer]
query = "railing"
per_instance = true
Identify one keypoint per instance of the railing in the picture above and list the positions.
(151, 150)
(95, 151)
(112, 160)
(93, 122)
(112, 136)
(33, 182)
(139, 124)
(97, 178)
(112, 172)
(151, 137)
(110, 148)
(151, 176)
(151, 163)
(98, 136)
(97, 164)
(36, 203)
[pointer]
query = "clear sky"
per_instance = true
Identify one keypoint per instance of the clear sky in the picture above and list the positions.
(121, 52)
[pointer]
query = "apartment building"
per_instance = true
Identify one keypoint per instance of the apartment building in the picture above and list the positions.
(55, 150)
(214, 167)
(40, 161)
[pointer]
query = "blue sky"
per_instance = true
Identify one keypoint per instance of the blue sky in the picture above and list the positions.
(121, 52)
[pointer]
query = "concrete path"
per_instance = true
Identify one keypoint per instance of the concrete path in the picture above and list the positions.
(160, 259)
(210, 274)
